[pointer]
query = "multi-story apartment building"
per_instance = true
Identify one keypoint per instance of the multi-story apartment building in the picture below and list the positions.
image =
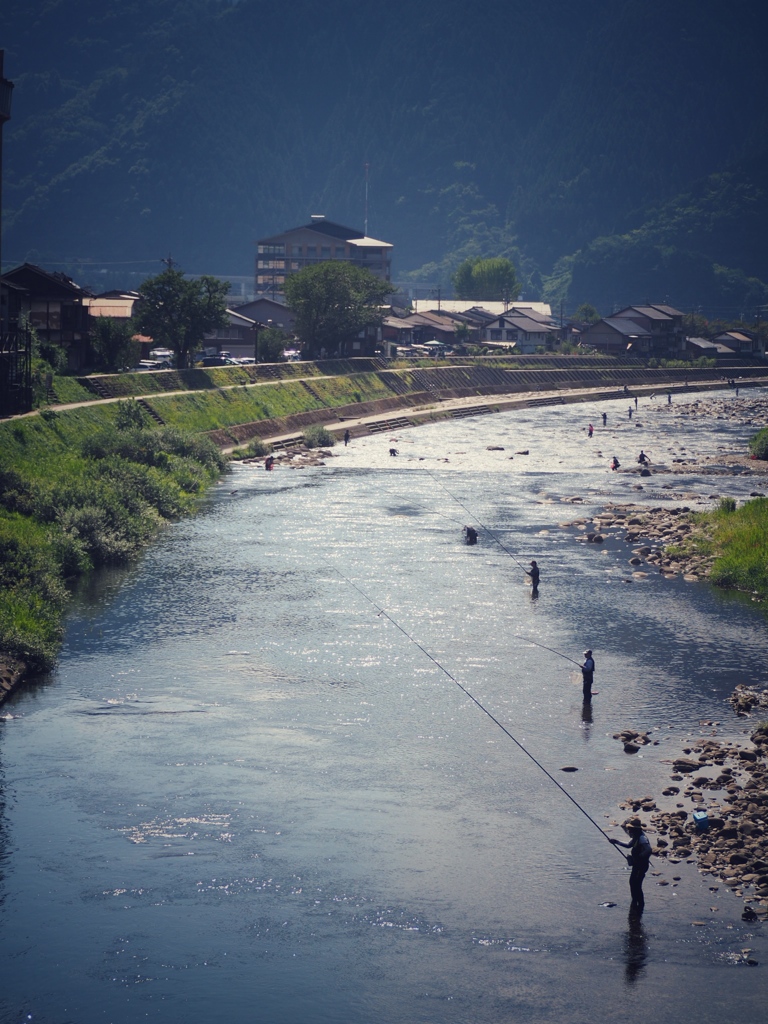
(282, 255)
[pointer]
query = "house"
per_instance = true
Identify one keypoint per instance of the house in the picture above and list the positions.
(114, 304)
(741, 343)
(489, 308)
(663, 324)
(280, 256)
(238, 336)
(524, 329)
(417, 329)
(58, 310)
(267, 311)
(15, 351)
(698, 347)
(618, 336)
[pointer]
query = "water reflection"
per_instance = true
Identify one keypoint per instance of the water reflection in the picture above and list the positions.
(243, 779)
(587, 720)
(635, 948)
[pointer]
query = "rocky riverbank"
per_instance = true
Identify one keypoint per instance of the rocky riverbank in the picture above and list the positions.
(12, 673)
(297, 456)
(730, 783)
(660, 537)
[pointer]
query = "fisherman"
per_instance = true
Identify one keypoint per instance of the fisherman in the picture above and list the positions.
(347, 436)
(588, 675)
(630, 412)
(635, 401)
(393, 451)
(269, 462)
(533, 572)
(669, 398)
(615, 463)
(590, 430)
(639, 846)
(471, 534)
(642, 458)
(605, 418)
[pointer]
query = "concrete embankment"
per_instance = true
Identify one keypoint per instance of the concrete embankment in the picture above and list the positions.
(413, 409)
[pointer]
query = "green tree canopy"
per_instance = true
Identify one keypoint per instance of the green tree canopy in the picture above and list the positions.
(332, 303)
(586, 314)
(112, 340)
(177, 313)
(271, 343)
(494, 280)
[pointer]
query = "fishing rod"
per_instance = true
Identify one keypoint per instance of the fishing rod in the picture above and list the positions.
(407, 635)
(473, 516)
(552, 649)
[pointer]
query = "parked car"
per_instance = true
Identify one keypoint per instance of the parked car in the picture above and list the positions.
(217, 361)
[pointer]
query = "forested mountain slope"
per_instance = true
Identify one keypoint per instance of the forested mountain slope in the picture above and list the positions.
(528, 128)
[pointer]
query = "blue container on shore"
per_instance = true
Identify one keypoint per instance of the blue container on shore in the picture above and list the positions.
(701, 820)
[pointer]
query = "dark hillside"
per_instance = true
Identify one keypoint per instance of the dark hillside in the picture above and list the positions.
(519, 127)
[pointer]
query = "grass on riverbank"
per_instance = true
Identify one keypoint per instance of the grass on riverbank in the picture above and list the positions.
(738, 537)
(81, 489)
(214, 410)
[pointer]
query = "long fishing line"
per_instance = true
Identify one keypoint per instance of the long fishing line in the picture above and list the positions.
(385, 613)
(502, 546)
(416, 504)
(477, 520)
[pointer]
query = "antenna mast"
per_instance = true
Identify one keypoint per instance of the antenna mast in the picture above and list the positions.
(365, 227)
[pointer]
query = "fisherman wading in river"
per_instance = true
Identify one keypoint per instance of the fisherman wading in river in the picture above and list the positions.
(588, 675)
(639, 858)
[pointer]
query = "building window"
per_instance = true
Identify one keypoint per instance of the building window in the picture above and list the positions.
(340, 252)
(45, 315)
(495, 334)
(271, 250)
(311, 251)
(325, 252)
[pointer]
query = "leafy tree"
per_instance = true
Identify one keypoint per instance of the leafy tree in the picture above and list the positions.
(271, 344)
(586, 314)
(462, 335)
(493, 279)
(113, 343)
(177, 313)
(332, 303)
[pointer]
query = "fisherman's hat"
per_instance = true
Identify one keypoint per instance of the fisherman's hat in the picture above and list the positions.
(533, 562)
(633, 824)
(587, 653)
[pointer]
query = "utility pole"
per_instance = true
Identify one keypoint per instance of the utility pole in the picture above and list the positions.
(760, 310)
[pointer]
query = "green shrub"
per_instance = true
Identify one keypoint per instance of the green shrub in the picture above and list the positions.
(130, 415)
(758, 445)
(318, 437)
(257, 447)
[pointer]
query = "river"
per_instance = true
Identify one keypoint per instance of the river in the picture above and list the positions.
(253, 790)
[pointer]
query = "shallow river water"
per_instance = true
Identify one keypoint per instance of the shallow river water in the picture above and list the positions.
(253, 790)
